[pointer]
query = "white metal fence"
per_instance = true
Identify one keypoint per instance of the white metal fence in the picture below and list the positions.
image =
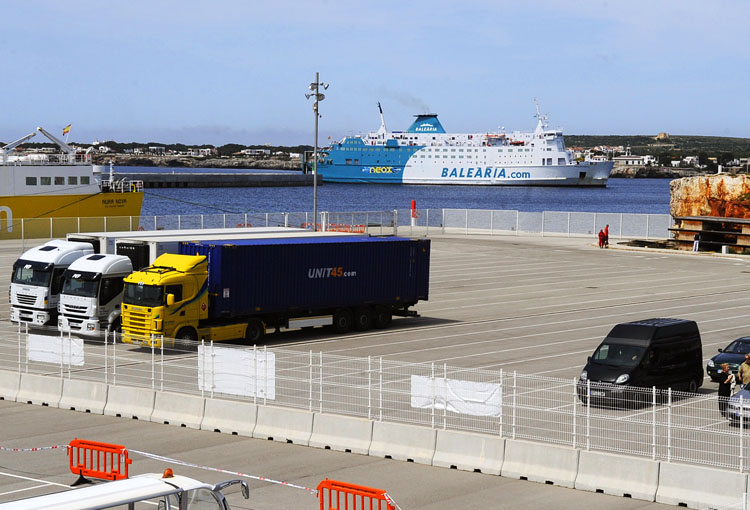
(404, 222)
(658, 424)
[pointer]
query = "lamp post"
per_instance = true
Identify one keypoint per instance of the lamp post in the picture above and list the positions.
(315, 92)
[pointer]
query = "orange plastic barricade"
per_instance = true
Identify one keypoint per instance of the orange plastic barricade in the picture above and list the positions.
(98, 460)
(347, 496)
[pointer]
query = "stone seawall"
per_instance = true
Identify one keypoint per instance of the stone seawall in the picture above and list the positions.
(219, 180)
(197, 162)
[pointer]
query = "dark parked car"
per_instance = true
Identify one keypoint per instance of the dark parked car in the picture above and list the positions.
(733, 354)
(665, 353)
(739, 404)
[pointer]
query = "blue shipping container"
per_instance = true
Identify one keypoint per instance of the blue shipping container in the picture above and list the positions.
(300, 275)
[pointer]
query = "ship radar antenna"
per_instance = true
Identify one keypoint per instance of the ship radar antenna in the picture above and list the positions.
(543, 119)
(382, 129)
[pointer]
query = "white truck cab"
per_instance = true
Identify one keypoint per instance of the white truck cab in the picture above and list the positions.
(92, 294)
(37, 280)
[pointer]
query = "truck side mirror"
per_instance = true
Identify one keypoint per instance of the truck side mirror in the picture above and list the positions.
(170, 299)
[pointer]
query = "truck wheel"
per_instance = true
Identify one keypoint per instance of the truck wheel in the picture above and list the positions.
(255, 331)
(383, 317)
(692, 386)
(362, 319)
(342, 321)
(187, 334)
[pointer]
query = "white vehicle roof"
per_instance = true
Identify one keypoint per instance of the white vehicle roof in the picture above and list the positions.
(229, 237)
(110, 494)
(104, 264)
(137, 234)
(58, 251)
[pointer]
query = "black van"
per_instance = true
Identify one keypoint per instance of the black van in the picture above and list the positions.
(665, 353)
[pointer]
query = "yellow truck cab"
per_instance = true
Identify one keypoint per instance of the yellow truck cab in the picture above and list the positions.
(168, 298)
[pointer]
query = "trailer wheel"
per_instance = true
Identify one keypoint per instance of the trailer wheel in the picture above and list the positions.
(383, 317)
(187, 333)
(342, 321)
(255, 331)
(362, 319)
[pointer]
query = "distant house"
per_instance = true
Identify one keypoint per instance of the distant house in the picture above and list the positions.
(676, 163)
(156, 149)
(256, 152)
(205, 152)
(103, 149)
(139, 150)
(295, 155)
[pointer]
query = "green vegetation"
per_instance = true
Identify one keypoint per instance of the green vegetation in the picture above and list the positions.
(677, 146)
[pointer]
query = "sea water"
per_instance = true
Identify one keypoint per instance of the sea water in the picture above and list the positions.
(619, 196)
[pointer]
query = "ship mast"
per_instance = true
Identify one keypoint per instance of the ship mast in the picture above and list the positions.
(543, 119)
(382, 129)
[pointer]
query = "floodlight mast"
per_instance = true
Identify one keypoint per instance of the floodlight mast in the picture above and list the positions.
(315, 92)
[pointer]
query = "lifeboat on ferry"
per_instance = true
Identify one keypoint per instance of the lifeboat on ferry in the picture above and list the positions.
(517, 142)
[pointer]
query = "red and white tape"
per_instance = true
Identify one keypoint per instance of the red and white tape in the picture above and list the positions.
(38, 449)
(225, 471)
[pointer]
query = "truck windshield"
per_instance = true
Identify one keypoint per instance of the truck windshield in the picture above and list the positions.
(620, 355)
(81, 287)
(143, 295)
(27, 273)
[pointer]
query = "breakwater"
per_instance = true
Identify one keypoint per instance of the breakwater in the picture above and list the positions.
(235, 162)
(219, 180)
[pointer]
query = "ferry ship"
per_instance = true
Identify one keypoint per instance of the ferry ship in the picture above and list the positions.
(426, 154)
(64, 184)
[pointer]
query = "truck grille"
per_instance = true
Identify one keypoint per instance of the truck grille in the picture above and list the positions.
(136, 325)
(26, 299)
(74, 309)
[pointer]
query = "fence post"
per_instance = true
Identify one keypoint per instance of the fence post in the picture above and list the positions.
(427, 223)
(594, 229)
(105, 223)
(155, 227)
(742, 433)
(245, 220)
(445, 407)
(23, 234)
(443, 222)
(575, 401)
(648, 235)
(669, 424)
(518, 221)
(542, 223)
(267, 219)
(255, 374)
(653, 422)
(513, 416)
(50, 228)
(621, 225)
(203, 385)
(492, 223)
(380, 405)
(106, 339)
(395, 222)
(153, 383)
(265, 373)
(320, 379)
(369, 388)
(179, 222)
(114, 358)
(434, 397)
(310, 379)
(224, 220)
(588, 414)
(466, 220)
(19, 347)
(202, 227)
(213, 369)
(502, 406)
(78, 223)
(161, 366)
(62, 354)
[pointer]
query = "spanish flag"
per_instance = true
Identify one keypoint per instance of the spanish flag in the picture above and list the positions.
(66, 129)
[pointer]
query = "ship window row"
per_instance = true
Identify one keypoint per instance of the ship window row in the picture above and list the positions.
(58, 180)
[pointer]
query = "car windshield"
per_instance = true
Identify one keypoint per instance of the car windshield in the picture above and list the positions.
(81, 287)
(27, 274)
(738, 347)
(620, 355)
(143, 295)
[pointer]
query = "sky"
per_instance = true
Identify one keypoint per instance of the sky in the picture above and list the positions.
(237, 71)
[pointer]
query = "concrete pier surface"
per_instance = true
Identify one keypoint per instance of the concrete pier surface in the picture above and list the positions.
(532, 304)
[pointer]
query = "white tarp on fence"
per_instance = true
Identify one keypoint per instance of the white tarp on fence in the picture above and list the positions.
(237, 372)
(462, 397)
(53, 349)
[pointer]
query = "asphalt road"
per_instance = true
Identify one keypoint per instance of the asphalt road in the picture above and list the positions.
(535, 305)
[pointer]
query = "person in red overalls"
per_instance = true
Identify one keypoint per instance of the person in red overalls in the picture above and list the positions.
(601, 239)
(606, 236)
